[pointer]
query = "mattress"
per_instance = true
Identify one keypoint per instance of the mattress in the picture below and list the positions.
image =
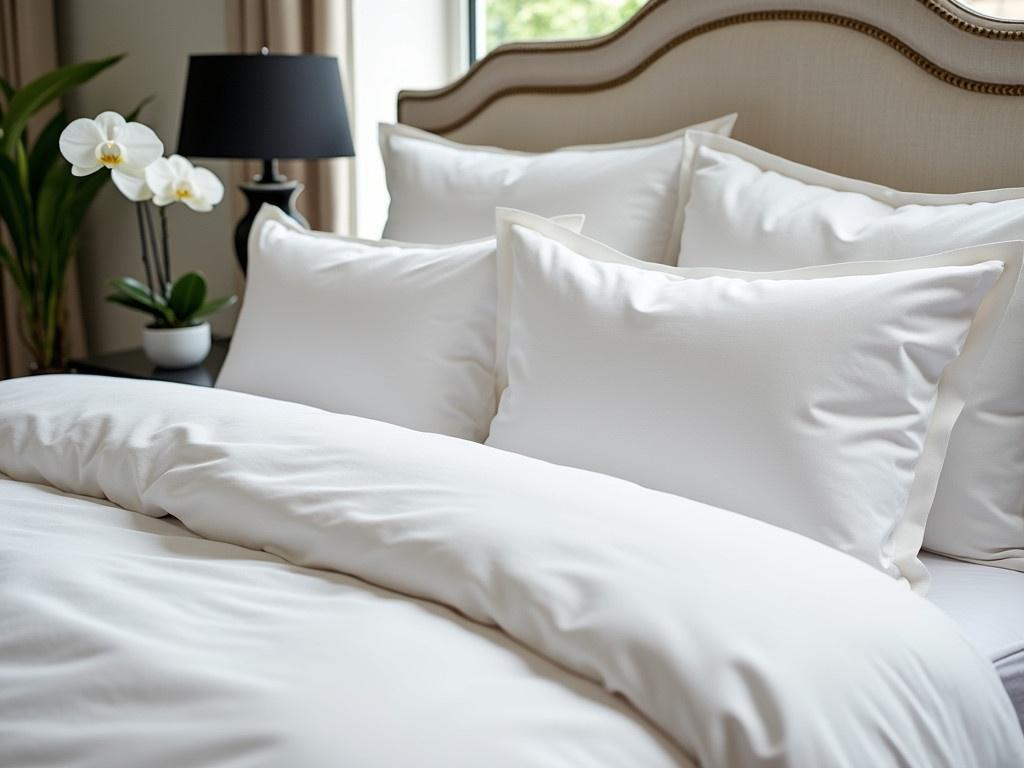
(988, 604)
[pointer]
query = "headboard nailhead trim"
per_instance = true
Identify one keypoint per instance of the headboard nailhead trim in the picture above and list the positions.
(856, 25)
(996, 33)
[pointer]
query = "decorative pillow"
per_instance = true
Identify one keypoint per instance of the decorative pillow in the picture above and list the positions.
(819, 400)
(748, 209)
(442, 191)
(390, 331)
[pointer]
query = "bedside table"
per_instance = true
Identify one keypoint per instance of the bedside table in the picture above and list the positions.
(133, 364)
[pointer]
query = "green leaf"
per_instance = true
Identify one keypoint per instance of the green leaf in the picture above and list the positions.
(128, 301)
(21, 163)
(54, 190)
(8, 260)
(61, 205)
(132, 287)
(45, 152)
(216, 305)
(187, 295)
(28, 100)
(132, 116)
(136, 291)
(15, 208)
(80, 194)
(8, 91)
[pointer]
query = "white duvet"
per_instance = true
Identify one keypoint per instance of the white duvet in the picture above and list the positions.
(429, 601)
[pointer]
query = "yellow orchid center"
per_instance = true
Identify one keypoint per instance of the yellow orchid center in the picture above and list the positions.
(110, 154)
(183, 190)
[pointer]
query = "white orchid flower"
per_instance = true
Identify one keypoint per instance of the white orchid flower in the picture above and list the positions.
(175, 179)
(111, 142)
(132, 184)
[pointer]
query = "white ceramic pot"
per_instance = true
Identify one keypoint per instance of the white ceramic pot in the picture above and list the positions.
(177, 347)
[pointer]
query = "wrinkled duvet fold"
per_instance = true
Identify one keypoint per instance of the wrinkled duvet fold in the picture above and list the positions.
(746, 645)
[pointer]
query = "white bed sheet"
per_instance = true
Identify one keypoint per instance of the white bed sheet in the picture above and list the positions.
(988, 604)
(744, 644)
(129, 641)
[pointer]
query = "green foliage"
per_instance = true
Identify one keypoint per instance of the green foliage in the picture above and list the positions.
(22, 104)
(185, 302)
(42, 205)
(187, 295)
(512, 20)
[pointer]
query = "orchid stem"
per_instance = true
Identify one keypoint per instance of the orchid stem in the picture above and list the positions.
(163, 235)
(160, 276)
(145, 250)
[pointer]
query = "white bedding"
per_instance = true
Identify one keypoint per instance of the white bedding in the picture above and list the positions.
(988, 604)
(131, 641)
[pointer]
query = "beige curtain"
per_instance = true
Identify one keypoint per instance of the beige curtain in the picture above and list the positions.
(300, 26)
(28, 49)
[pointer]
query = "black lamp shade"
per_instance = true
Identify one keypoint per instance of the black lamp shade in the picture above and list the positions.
(264, 106)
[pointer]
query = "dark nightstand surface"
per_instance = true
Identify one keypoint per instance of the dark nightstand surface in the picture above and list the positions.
(133, 364)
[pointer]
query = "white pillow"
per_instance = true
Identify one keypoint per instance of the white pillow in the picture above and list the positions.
(749, 209)
(819, 400)
(442, 191)
(389, 331)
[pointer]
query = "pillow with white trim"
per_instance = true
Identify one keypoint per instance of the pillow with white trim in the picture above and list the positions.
(748, 209)
(390, 331)
(819, 400)
(443, 191)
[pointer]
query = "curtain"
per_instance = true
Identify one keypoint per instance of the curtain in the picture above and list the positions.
(28, 49)
(301, 26)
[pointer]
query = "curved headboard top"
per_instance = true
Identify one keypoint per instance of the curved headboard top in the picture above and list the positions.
(916, 94)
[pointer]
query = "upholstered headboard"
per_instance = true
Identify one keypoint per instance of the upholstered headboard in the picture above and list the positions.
(916, 94)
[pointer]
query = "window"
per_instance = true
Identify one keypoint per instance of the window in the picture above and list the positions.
(1009, 10)
(493, 22)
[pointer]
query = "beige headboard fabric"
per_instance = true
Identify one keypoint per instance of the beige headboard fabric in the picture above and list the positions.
(920, 95)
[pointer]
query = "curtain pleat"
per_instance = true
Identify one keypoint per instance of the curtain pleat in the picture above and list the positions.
(300, 26)
(28, 49)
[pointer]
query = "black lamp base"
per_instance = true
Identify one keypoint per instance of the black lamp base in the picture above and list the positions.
(281, 193)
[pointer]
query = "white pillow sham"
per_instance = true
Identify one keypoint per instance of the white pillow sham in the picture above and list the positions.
(748, 209)
(389, 331)
(442, 191)
(819, 400)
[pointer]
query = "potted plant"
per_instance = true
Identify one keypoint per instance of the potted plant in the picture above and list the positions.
(178, 335)
(42, 208)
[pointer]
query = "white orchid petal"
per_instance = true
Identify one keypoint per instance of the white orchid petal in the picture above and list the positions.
(131, 184)
(108, 123)
(142, 145)
(81, 170)
(79, 140)
(180, 165)
(160, 177)
(163, 198)
(198, 204)
(209, 186)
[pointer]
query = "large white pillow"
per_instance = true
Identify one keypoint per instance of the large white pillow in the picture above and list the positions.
(442, 191)
(819, 400)
(748, 209)
(389, 331)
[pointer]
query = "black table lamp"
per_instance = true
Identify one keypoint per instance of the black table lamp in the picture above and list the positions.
(265, 107)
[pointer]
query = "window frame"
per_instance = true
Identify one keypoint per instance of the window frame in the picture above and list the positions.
(472, 31)
(476, 30)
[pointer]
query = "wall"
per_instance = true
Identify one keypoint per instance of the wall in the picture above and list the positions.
(396, 44)
(157, 35)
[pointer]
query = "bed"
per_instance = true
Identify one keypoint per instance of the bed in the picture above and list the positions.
(266, 574)
(983, 600)
(956, 76)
